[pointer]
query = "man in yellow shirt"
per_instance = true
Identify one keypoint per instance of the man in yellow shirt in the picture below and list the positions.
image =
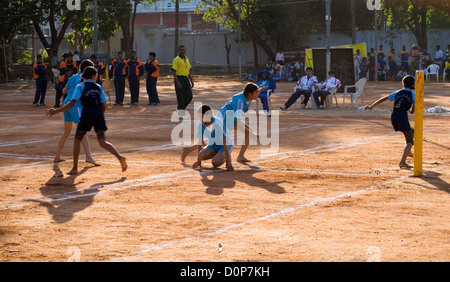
(181, 70)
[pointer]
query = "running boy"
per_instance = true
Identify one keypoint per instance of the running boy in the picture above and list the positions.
(93, 99)
(40, 75)
(403, 102)
(220, 145)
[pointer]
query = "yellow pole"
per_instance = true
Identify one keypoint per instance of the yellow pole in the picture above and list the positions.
(418, 123)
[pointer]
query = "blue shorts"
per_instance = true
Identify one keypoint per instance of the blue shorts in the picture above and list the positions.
(72, 115)
(220, 148)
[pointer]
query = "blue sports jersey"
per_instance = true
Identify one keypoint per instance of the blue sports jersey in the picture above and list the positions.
(403, 99)
(234, 109)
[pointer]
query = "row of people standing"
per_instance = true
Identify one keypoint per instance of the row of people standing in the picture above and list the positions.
(133, 69)
(410, 61)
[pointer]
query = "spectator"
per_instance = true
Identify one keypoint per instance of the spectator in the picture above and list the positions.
(363, 68)
(414, 59)
(426, 59)
(439, 56)
(404, 55)
(381, 56)
(279, 57)
(357, 62)
(267, 82)
(330, 87)
(69, 62)
(304, 87)
(381, 74)
(392, 63)
(401, 74)
(447, 68)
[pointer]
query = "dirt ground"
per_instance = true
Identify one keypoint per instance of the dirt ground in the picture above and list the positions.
(332, 192)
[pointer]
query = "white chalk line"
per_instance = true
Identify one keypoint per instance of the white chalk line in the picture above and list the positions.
(189, 172)
(255, 220)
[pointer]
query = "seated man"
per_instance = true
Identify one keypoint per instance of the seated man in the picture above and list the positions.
(447, 68)
(331, 85)
(304, 87)
(401, 74)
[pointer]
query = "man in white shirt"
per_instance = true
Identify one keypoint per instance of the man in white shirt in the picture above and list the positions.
(357, 62)
(279, 57)
(330, 87)
(439, 56)
(304, 87)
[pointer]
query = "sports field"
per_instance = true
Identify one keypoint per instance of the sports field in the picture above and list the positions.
(333, 191)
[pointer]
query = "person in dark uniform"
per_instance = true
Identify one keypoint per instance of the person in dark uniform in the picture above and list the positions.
(135, 70)
(100, 67)
(152, 68)
(40, 75)
(404, 100)
(119, 71)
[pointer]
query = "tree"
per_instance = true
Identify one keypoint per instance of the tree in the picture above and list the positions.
(52, 12)
(417, 16)
(108, 22)
(13, 24)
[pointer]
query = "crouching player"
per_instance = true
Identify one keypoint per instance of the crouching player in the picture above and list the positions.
(93, 99)
(220, 144)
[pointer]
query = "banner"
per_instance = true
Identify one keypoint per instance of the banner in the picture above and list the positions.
(309, 54)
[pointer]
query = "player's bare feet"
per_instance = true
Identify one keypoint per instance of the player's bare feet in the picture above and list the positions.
(197, 164)
(404, 165)
(91, 161)
(242, 160)
(184, 154)
(123, 163)
(58, 160)
(73, 171)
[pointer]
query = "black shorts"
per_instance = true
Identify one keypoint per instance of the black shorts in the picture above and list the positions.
(86, 123)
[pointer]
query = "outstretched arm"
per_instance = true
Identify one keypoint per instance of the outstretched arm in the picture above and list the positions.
(376, 103)
(52, 111)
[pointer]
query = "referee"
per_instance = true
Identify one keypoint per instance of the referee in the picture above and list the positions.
(181, 69)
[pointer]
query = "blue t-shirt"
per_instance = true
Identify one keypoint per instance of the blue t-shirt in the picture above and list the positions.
(214, 133)
(234, 109)
(72, 83)
(80, 88)
(402, 99)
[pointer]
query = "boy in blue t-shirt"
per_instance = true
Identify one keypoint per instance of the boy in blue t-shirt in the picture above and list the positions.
(403, 102)
(93, 100)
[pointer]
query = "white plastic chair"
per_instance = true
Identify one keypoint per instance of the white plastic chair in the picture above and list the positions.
(432, 69)
(444, 75)
(359, 90)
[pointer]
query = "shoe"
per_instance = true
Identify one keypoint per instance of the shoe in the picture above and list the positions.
(133, 103)
(283, 108)
(302, 106)
(321, 107)
(35, 105)
(42, 104)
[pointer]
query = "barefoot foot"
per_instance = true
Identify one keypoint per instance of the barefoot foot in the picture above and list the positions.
(242, 160)
(73, 171)
(404, 165)
(91, 161)
(123, 164)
